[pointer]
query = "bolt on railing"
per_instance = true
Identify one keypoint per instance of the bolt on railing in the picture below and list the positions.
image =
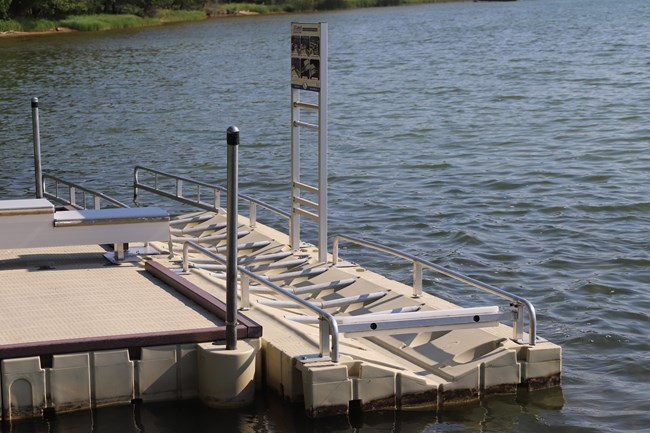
(517, 302)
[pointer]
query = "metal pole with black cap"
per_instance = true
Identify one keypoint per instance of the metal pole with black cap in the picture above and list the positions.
(37, 149)
(232, 138)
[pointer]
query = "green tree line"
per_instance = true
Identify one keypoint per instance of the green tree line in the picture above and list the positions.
(58, 10)
(11, 9)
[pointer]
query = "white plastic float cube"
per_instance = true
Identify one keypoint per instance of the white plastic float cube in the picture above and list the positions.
(112, 377)
(23, 388)
(500, 373)
(188, 373)
(167, 372)
(374, 386)
(414, 392)
(157, 375)
(328, 390)
(282, 375)
(70, 382)
(542, 361)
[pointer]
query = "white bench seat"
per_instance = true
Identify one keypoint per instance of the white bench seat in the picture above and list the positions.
(75, 218)
(33, 223)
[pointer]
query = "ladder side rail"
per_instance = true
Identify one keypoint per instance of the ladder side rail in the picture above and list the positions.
(294, 226)
(323, 104)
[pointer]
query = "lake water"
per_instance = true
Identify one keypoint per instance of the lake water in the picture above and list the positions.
(507, 141)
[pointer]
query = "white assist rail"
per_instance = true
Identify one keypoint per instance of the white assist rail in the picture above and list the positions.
(327, 323)
(517, 303)
(407, 322)
(197, 198)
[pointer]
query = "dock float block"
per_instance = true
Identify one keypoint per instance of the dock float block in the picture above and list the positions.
(23, 390)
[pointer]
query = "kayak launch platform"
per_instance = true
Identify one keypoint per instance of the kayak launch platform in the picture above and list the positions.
(80, 331)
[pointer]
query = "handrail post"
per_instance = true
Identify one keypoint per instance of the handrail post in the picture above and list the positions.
(417, 279)
(232, 139)
(517, 321)
(135, 184)
(186, 263)
(38, 171)
(245, 292)
(252, 214)
(335, 250)
(217, 198)
(324, 343)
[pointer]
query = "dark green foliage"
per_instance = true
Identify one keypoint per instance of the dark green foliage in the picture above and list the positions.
(10, 9)
(331, 4)
(4, 9)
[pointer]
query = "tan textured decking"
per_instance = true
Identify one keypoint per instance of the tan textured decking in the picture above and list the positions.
(73, 292)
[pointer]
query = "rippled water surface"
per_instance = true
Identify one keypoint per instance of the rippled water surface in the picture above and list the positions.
(507, 141)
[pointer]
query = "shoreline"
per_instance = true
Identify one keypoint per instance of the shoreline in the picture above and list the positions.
(163, 21)
(14, 34)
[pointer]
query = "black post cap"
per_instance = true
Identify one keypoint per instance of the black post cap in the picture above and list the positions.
(34, 102)
(232, 136)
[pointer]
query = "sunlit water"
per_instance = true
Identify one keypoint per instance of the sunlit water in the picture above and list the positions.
(507, 141)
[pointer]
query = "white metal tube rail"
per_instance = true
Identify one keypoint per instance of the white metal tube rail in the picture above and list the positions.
(328, 325)
(418, 264)
(72, 188)
(215, 192)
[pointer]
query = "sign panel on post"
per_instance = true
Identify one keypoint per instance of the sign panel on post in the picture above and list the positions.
(305, 56)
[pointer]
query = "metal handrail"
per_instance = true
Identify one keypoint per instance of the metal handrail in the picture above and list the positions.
(215, 192)
(72, 188)
(328, 325)
(418, 264)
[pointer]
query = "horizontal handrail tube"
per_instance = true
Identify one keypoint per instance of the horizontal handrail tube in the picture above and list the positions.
(452, 274)
(201, 205)
(71, 185)
(324, 315)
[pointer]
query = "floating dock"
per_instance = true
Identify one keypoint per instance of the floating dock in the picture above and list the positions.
(80, 331)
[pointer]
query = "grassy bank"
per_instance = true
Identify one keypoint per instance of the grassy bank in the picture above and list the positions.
(106, 21)
(100, 22)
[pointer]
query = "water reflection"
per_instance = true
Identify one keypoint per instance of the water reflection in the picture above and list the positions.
(269, 414)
